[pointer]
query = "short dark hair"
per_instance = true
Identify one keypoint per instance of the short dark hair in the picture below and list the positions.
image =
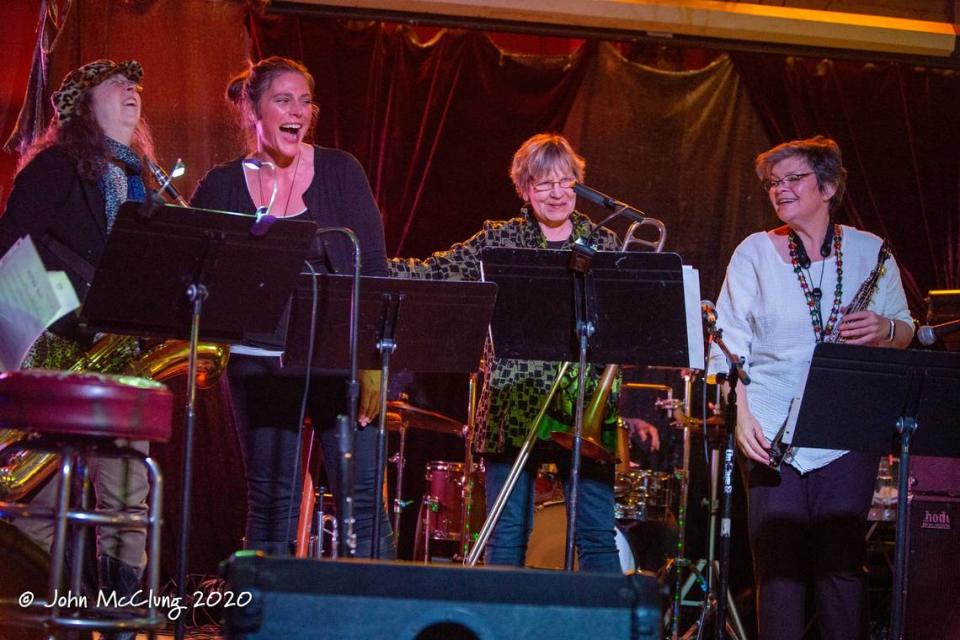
(823, 156)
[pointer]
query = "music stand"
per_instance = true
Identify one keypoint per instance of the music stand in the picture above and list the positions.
(876, 394)
(621, 308)
(163, 268)
(420, 325)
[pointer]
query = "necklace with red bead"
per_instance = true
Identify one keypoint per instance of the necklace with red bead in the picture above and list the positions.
(813, 300)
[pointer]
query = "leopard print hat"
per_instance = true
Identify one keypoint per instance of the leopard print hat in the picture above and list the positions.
(81, 80)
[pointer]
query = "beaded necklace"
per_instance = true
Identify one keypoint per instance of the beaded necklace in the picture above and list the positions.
(813, 301)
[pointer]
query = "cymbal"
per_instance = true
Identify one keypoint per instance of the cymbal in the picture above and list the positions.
(401, 415)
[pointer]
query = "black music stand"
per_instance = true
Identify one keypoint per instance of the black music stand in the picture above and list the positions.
(420, 325)
(878, 394)
(620, 308)
(163, 268)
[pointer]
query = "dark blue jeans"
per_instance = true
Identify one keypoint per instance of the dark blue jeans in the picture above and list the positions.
(267, 412)
(594, 537)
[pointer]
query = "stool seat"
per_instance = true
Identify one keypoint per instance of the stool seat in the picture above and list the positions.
(85, 404)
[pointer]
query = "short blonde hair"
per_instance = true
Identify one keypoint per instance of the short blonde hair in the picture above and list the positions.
(540, 155)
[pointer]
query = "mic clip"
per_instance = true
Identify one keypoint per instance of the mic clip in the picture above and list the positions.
(581, 256)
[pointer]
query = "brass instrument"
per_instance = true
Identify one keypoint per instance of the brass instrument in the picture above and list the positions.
(591, 443)
(25, 470)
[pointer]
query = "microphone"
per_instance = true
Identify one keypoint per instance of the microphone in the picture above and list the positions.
(255, 164)
(596, 197)
(165, 181)
(927, 334)
(709, 312)
(605, 201)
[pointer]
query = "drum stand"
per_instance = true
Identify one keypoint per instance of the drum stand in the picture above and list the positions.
(680, 563)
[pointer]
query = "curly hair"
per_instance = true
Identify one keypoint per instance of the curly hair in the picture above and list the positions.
(245, 89)
(821, 153)
(82, 139)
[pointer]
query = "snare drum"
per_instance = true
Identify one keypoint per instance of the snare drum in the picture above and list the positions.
(643, 495)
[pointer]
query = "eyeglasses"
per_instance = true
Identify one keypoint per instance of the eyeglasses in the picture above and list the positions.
(790, 180)
(547, 185)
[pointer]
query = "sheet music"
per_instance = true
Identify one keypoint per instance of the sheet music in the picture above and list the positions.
(691, 304)
(31, 299)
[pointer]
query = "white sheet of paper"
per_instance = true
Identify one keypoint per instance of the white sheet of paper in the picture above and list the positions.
(31, 299)
(691, 303)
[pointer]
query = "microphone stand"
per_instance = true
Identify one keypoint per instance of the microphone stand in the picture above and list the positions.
(736, 373)
(347, 541)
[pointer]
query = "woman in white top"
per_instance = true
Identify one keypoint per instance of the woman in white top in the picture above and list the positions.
(785, 289)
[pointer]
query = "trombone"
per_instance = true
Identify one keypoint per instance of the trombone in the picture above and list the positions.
(593, 413)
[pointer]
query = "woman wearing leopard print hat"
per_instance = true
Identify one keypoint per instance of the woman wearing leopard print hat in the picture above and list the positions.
(66, 194)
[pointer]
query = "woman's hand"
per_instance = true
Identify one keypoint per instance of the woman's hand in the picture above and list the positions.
(750, 437)
(644, 431)
(369, 395)
(864, 327)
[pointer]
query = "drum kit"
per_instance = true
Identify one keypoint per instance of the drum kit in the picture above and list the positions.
(452, 507)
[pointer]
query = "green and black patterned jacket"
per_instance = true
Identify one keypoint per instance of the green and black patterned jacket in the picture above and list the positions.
(513, 390)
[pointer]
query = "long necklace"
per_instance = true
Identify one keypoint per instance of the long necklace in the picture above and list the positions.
(813, 300)
(293, 181)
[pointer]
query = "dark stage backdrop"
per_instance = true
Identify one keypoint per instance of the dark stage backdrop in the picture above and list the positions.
(435, 122)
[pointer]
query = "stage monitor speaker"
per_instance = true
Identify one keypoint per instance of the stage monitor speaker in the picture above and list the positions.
(291, 599)
(933, 571)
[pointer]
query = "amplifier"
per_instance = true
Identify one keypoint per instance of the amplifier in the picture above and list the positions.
(929, 474)
(933, 569)
(293, 598)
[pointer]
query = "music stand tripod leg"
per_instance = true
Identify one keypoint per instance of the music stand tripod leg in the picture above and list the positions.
(197, 294)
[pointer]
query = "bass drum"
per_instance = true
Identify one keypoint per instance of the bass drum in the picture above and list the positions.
(547, 546)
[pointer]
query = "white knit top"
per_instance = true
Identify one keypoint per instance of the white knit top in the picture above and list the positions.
(764, 317)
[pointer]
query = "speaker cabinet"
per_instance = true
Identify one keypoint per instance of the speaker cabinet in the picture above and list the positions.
(290, 599)
(933, 570)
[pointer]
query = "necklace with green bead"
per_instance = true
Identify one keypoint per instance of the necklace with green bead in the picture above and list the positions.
(813, 297)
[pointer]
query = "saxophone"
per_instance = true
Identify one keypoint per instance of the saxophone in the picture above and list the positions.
(24, 470)
(861, 301)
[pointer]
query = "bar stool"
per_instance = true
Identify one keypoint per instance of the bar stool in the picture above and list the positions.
(78, 415)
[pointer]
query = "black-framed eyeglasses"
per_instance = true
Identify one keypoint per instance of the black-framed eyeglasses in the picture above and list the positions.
(790, 180)
(547, 185)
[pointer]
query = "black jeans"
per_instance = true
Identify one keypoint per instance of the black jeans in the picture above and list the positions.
(810, 528)
(267, 411)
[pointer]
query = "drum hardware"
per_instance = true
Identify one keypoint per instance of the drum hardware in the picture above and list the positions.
(401, 415)
(681, 412)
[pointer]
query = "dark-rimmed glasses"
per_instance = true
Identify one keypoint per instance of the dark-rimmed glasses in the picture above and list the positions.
(790, 180)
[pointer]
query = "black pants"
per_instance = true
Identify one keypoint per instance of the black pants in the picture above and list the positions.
(810, 529)
(267, 412)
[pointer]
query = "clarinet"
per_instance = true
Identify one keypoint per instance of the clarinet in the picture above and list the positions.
(778, 450)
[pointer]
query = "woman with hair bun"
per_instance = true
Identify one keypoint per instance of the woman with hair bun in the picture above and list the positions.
(274, 102)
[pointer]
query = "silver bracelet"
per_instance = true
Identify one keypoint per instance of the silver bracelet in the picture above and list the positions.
(893, 330)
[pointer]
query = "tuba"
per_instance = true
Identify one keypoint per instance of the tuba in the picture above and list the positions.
(25, 470)
(591, 442)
